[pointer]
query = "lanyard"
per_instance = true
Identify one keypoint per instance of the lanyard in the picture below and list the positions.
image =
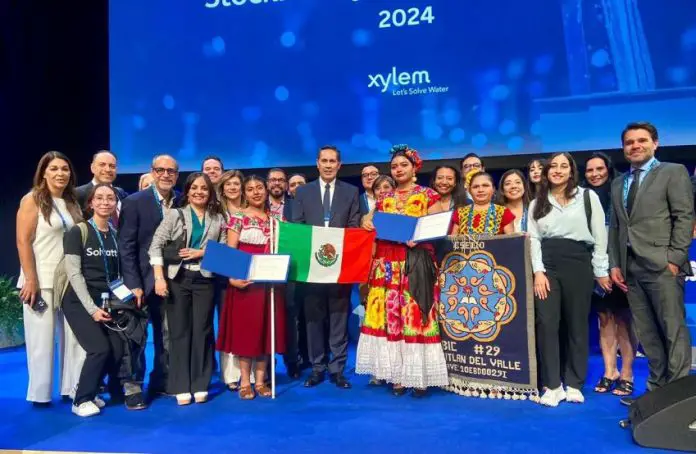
(644, 172)
(103, 250)
(491, 212)
(60, 215)
(523, 224)
(158, 201)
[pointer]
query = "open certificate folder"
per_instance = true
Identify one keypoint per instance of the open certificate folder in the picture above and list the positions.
(233, 263)
(402, 229)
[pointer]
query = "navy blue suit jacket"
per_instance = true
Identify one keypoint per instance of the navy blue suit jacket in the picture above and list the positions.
(287, 208)
(364, 206)
(140, 217)
(82, 193)
(345, 208)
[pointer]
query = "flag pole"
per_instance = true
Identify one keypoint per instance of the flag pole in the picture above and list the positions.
(273, 343)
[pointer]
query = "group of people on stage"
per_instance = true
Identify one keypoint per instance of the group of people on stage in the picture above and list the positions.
(619, 243)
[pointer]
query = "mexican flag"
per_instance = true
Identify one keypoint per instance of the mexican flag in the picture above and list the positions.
(326, 254)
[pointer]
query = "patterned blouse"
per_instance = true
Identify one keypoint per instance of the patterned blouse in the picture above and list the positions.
(251, 229)
(414, 202)
(490, 221)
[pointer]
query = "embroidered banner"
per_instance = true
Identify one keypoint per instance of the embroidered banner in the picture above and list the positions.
(487, 316)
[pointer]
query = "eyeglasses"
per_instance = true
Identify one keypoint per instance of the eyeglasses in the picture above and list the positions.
(161, 171)
(370, 175)
(471, 166)
(276, 180)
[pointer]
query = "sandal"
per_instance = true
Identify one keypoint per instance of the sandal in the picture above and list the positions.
(246, 393)
(623, 388)
(263, 390)
(605, 385)
(234, 387)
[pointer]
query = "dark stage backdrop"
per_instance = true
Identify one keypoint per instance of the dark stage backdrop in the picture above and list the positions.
(54, 90)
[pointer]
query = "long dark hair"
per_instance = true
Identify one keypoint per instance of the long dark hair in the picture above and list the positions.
(500, 198)
(458, 192)
(262, 180)
(543, 206)
(534, 187)
(42, 195)
(213, 205)
(607, 162)
(89, 212)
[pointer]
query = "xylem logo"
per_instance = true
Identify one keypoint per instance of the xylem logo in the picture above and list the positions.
(226, 3)
(404, 78)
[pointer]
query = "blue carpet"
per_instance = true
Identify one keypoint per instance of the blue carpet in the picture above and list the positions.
(322, 419)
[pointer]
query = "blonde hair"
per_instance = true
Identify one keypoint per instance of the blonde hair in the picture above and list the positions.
(220, 187)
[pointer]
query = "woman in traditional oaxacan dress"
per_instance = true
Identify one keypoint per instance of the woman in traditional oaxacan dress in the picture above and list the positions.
(483, 216)
(400, 336)
(513, 194)
(245, 327)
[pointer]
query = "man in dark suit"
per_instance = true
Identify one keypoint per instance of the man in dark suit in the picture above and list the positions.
(104, 170)
(327, 202)
(141, 215)
(295, 357)
(649, 238)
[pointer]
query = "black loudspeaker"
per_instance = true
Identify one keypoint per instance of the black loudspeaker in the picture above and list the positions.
(661, 418)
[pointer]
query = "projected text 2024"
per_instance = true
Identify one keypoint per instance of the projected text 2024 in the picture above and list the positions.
(411, 17)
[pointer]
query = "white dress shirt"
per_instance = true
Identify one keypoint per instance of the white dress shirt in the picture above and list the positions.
(570, 222)
(332, 191)
(166, 205)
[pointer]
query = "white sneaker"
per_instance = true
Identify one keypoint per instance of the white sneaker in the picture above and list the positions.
(574, 395)
(200, 397)
(86, 409)
(553, 397)
(183, 399)
(99, 402)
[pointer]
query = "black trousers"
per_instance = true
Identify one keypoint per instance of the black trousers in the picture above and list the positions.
(160, 333)
(190, 319)
(327, 304)
(562, 331)
(659, 317)
(104, 349)
(295, 330)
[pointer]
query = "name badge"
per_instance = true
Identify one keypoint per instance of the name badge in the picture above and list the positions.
(120, 291)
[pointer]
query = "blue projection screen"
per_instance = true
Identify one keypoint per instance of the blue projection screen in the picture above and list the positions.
(265, 82)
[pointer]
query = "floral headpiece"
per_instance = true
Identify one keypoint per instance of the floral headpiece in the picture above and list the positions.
(410, 153)
(469, 175)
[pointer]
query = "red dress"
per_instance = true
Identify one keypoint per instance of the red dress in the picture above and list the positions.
(245, 323)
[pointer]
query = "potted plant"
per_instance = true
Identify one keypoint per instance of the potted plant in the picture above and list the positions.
(11, 326)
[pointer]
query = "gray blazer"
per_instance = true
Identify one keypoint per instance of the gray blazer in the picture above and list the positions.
(661, 222)
(171, 227)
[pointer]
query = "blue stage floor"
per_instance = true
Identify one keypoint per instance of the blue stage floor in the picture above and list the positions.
(323, 419)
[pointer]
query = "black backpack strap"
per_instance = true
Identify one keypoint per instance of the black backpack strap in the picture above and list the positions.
(180, 212)
(588, 208)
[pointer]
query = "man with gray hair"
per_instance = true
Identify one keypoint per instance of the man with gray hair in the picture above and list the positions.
(141, 214)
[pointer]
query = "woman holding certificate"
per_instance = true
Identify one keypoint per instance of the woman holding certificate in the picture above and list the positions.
(192, 301)
(483, 217)
(400, 337)
(245, 327)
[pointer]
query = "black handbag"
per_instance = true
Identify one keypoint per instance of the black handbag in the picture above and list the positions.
(170, 251)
